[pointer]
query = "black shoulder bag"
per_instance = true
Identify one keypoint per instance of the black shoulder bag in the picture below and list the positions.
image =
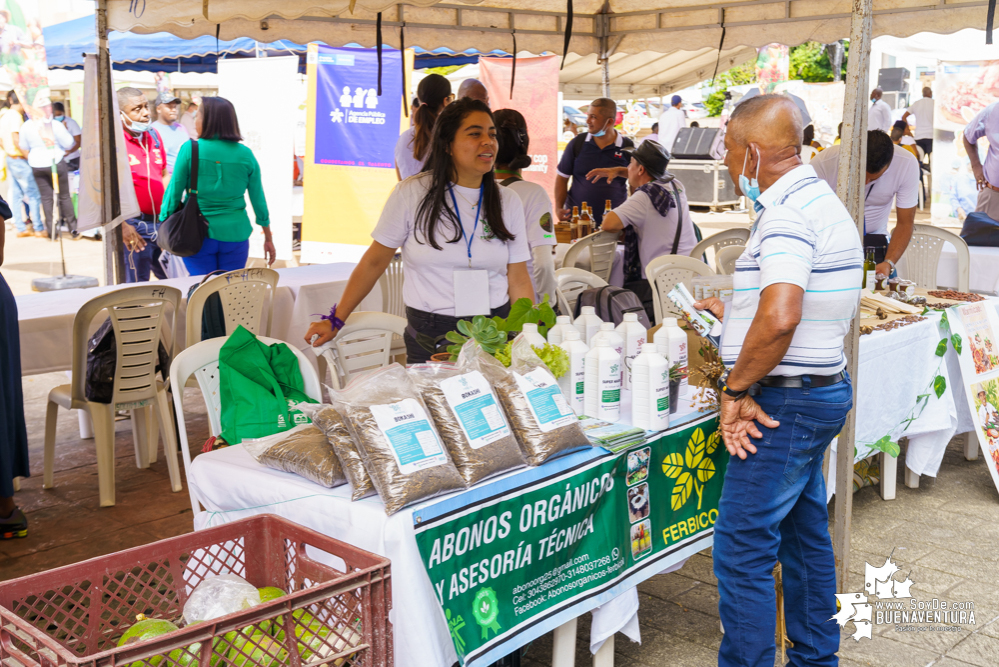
(183, 232)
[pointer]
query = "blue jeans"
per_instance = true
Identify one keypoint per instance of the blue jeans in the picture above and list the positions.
(139, 263)
(773, 507)
(218, 256)
(22, 184)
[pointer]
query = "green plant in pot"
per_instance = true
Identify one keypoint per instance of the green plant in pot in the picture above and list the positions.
(674, 387)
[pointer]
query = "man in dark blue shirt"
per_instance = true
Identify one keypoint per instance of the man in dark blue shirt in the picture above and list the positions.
(596, 164)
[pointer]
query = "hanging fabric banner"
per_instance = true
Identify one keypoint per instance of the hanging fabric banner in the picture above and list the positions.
(535, 95)
(350, 148)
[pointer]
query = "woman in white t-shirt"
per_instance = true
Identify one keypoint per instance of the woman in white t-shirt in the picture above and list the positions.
(538, 211)
(413, 147)
(464, 246)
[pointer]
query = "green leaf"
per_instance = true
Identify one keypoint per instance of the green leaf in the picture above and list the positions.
(955, 340)
(465, 327)
(892, 449)
(925, 310)
(939, 385)
(547, 313)
(880, 444)
(942, 347)
(944, 321)
(456, 337)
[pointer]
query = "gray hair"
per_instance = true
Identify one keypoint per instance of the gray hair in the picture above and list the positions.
(127, 93)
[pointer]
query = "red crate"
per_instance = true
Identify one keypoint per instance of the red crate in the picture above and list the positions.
(74, 615)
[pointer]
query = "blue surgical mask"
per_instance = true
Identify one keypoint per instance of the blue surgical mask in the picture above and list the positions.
(750, 187)
(134, 125)
(60, 118)
(602, 132)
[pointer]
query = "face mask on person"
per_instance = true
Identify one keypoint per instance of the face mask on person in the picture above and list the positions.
(603, 131)
(750, 187)
(136, 126)
(59, 118)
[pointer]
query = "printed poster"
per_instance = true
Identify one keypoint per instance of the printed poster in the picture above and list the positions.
(351, 133)
(974, 328)
(961, 90)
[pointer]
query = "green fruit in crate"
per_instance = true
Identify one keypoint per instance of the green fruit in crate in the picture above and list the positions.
(260, 650)
(145, 629)
(268, 593)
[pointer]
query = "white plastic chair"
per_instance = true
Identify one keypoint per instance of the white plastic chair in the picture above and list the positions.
(364, 343)
(603, 248)
(392, 282)
(737, 236)
(664, 272)
(243, 294)
(560, 250)
(201, 361)
(725, 258)
(571, 281)
(137, 315)
(922, 257)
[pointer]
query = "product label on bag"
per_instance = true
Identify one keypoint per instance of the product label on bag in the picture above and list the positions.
(472, 400)
(412, 439)
(545, 400)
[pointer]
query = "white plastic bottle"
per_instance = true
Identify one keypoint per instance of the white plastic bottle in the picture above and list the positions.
(588, 324)
(530, 333)
(650, 390)
(573, 382)
(608, 332)
(602, 389)
(634, 335)
(671, 341)
(556, 334)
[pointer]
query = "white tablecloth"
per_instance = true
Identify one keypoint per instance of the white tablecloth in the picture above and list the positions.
(984, 268)
(46, 319)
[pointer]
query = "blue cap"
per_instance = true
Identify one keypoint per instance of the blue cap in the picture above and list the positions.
(676, 100)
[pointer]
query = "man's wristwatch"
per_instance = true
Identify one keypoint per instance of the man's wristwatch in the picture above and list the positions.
(890, 263)
(725, 389)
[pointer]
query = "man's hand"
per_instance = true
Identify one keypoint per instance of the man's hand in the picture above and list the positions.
(738, 422)
(884, 268)
(712, 304)
(323, 329)
(565, 214)
(979, 172)
(610, 173)
(133, 242)
(270, 254)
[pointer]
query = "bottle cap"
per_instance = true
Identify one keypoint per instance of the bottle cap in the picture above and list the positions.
(631, 317)
(607, 326)
(571, 334)
(562, 319)
(650, 347)
(529, 328)
(587, 310)
(601, 342)
(669, 322)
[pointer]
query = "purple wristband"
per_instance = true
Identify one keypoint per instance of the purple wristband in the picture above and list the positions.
(331, 318)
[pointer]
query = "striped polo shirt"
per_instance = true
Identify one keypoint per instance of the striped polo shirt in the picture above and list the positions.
(803, 236)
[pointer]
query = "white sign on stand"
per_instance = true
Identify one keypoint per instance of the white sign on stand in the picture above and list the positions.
(264, 92)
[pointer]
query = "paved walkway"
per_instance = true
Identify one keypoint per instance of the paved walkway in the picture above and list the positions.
(943, 534)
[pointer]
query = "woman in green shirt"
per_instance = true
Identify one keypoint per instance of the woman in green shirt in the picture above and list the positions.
(226, 171)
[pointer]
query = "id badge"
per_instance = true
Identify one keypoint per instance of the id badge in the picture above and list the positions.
(471, 292)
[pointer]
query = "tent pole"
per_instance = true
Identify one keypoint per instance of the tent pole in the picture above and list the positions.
(850, 186)
(111, 206)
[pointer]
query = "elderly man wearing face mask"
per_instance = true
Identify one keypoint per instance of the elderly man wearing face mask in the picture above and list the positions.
(147, 159)
(786, 393)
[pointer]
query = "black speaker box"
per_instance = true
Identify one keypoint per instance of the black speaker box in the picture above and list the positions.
(893, 79)
(694, 143)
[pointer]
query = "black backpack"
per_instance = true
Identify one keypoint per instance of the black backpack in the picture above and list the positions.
(102, 362)
(212, 317)
(980, 230)
(611, 303)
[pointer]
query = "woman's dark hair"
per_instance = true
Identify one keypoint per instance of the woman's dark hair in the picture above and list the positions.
(511, 130)
(435, 210)
(432, 91)
(880, 151)
(218, 119)
(808, 135)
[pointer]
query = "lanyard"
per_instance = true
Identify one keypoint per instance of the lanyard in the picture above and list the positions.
(868, 194)
(478, 213)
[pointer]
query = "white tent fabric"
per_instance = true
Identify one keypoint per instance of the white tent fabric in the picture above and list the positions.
(968, 44)
(631, 27)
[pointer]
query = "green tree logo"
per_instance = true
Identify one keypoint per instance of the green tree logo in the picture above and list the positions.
(692, 469)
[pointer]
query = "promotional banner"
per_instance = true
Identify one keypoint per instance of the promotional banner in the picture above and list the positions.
(22, 52)
(350, 148)
(961, 90)
(269, 130)
(973, 335)
(772, 64)
(510, 568)
(535, 95)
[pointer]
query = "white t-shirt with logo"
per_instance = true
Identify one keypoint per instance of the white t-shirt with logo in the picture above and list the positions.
(899, 183)
(922, 109)
(429, 284)
(538, 218)
(404, 160)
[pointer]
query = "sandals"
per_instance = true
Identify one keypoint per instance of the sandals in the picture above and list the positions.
(14, 527)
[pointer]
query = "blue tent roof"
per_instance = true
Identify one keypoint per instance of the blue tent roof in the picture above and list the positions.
(65, 44)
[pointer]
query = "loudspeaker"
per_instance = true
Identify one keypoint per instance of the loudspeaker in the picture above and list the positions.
(893, 79)
(694, 143)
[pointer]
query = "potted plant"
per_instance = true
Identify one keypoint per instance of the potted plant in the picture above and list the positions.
(674, 387)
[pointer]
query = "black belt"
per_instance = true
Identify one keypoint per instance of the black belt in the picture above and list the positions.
(798, 381)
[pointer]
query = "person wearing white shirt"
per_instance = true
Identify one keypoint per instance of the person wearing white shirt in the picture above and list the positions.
(892, 176)
(879, 115)
(922, 110)
(462, 236)
(671, 122)
(988, 416)
(539, 217)
(46, 141)
(413, 147)
(72, 158)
